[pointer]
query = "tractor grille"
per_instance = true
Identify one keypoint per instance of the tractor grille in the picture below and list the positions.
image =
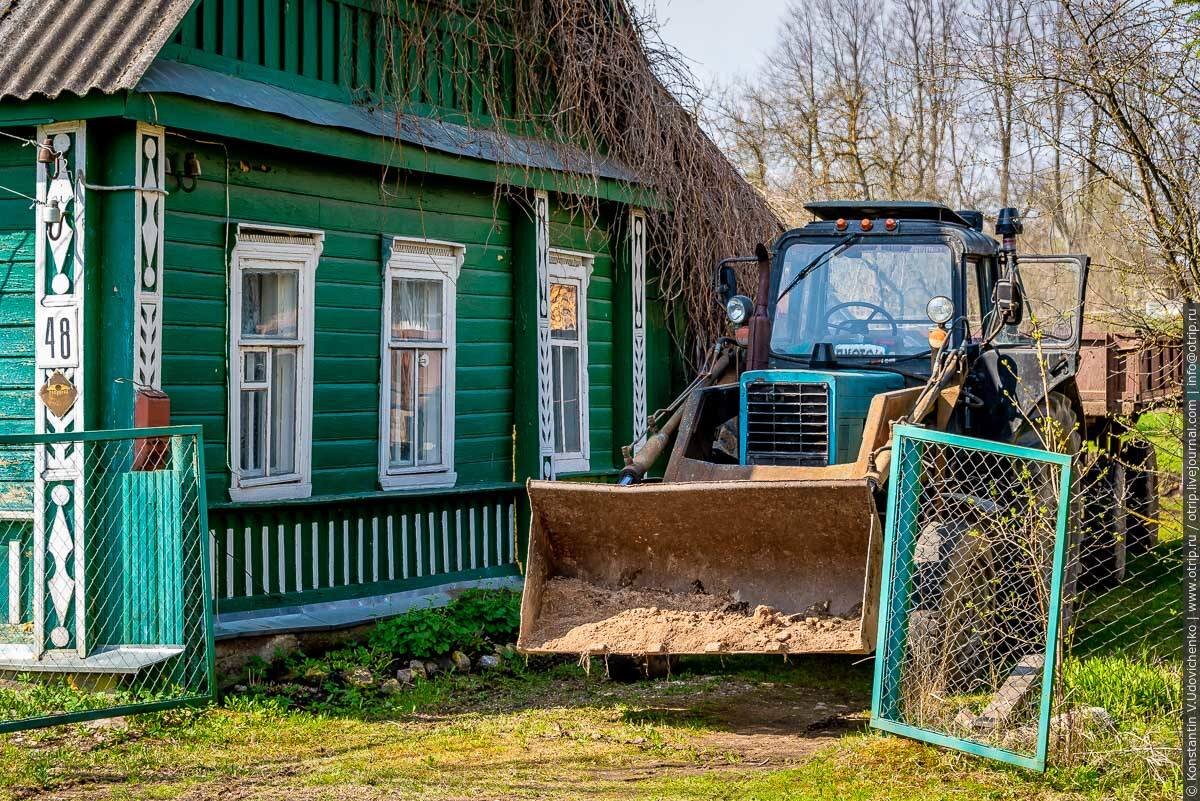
(787, 423)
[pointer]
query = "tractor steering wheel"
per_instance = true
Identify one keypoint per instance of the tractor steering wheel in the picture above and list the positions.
(848, 326)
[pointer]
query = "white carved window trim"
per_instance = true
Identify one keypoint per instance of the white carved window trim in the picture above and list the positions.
(426, 259)
(575, 268)
(260, 243)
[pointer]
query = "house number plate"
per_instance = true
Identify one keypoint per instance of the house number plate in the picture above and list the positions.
(58, 337)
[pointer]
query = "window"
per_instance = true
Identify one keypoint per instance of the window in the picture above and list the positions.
(569, 274)
(416, 437)
(270, 396)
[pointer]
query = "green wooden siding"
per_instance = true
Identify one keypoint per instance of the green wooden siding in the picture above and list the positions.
(338, 49)
(17, 171)
(344, 200)
(338, 548)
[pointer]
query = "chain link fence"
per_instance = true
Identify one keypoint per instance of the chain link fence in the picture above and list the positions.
(103, 601)
(976, 546)
(1118, 694)
(1032, 602)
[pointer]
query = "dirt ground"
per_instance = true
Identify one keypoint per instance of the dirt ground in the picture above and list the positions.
(579, 617)
(571, 730)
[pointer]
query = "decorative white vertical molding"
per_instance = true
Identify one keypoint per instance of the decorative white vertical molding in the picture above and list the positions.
(637, 245)
(149, 202)
(14, 582)
(541, 213)
(58, 468)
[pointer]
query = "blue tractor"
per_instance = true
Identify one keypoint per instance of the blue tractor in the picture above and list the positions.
(772, 501)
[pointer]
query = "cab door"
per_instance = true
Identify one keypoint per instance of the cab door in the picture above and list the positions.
(1052, 288)
(1036, 355)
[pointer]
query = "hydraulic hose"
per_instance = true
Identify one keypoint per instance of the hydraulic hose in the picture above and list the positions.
(635, 471)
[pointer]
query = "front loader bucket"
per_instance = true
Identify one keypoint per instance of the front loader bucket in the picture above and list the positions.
(706, 567)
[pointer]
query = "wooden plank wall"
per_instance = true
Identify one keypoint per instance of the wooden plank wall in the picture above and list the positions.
(345, 200)
(338, 48)
(18, 172)
(272, 557)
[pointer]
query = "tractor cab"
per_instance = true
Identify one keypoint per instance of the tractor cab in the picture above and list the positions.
(860, 302)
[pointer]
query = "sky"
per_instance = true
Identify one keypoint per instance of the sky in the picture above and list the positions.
(722, 39)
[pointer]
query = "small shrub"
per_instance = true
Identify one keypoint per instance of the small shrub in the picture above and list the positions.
(496, 614)
(468, 623)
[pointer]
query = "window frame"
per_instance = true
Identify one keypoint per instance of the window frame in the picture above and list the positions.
(440, 261)
(572, 267)
(256, 246)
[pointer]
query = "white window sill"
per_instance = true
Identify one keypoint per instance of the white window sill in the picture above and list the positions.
(271, 492)
(400, 481)
(572, 464)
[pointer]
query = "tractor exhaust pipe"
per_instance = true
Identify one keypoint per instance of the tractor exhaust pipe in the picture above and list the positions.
(759, 349)
(1007, 293)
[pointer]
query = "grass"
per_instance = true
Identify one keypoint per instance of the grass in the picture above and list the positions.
(757, 729)
(732, 729)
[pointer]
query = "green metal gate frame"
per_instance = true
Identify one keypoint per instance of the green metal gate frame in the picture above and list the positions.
(900, 539)
(195, 432)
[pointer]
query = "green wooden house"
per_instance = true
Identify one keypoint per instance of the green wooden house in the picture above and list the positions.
(200, 197)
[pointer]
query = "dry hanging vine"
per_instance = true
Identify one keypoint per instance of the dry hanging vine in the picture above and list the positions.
(590, 78)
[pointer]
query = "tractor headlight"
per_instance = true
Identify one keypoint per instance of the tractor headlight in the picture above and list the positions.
(739, 308)
(940, 310)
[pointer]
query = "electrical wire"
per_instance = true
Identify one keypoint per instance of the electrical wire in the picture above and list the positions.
(26, 142)
(36, 202)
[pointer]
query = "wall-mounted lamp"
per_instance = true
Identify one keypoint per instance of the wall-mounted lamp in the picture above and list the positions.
(53, 218)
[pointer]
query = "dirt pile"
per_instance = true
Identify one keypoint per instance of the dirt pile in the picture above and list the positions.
(579, 617)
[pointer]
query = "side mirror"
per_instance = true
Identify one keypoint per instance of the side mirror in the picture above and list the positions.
(726, 283)
(1010, 303)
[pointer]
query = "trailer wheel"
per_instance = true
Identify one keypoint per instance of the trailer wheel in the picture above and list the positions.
(1102, 545)
(1141, 497)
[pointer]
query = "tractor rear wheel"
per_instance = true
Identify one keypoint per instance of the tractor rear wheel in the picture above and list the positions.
(1053, 425)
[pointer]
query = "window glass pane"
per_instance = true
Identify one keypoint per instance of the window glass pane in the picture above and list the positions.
(417, 309)
(269, 303)
(253, 432)
(1052, 301)
(283, 411)
(570, 395)
(402, 410)
(566, 400)
(255, 367)
(429, 417)
(564, 320)
(556, 402)
(974, 301)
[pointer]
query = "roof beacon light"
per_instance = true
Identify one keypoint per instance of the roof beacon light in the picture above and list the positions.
(840, 224)
(889, 224)
(866, 224)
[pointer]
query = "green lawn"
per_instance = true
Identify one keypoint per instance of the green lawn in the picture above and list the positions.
(742, 729)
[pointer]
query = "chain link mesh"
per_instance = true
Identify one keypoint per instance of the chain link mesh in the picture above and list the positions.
(969, 604)
(969, 593)
(103, 606)
(1118, 692)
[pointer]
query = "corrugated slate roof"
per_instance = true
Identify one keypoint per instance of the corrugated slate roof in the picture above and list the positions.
(52, 46)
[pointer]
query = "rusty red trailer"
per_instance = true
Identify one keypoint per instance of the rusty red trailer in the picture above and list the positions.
(1125, 374)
